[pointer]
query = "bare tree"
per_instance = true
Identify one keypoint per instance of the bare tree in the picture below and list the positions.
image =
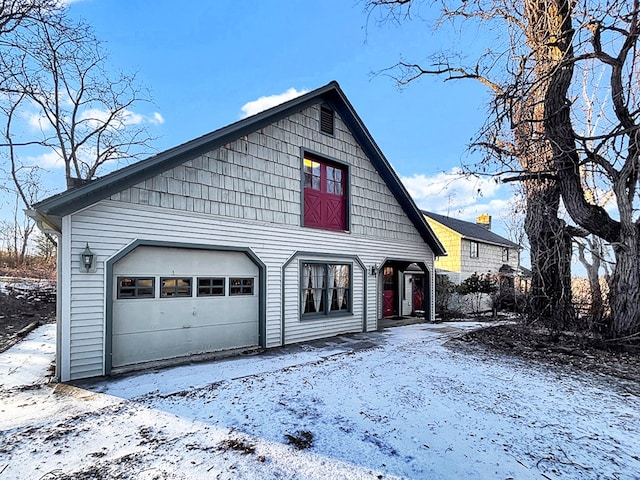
(14, 12)
(513, 140)
(56, 74)
(537, 94)
(606, 35)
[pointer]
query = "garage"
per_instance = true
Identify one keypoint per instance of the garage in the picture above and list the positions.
(174, 302)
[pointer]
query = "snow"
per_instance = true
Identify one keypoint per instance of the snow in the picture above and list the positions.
(391, 404)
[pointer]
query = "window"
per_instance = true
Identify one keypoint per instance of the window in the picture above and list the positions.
(136, 287)
(210, 286)
(325, 194)
(505, 254)
(475, 250)
(326, 120)
(325, 288)
(241, 286)
(175, 287)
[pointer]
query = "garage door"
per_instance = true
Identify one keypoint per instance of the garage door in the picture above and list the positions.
(173, 302)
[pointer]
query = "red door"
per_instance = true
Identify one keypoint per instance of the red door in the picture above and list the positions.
(388, 293)
(387, 303)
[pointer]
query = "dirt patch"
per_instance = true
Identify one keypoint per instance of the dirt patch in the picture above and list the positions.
(565, 350)
(22, 308)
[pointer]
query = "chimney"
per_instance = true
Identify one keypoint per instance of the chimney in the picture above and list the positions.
(484, 220)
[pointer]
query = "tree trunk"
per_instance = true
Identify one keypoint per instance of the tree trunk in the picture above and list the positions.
(550, 258)
(624, 288)
(624, 291)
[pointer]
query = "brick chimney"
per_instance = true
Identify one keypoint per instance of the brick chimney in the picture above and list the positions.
(484, 220)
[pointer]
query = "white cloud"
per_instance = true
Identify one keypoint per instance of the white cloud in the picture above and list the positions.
(263, 103)
(50, 159)
(97, 116)
(454, 193)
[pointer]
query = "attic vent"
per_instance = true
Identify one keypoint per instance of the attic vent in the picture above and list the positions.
(326, 120)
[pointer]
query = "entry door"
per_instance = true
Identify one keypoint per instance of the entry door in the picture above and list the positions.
(389, 292)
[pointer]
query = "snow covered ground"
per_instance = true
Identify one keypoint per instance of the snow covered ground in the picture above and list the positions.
(392, 404)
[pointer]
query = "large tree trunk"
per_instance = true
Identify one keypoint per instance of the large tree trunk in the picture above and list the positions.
(550, 257)
(624, 287)
(624, 290)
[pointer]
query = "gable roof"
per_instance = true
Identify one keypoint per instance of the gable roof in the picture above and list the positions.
(471, 230)
(54, 208)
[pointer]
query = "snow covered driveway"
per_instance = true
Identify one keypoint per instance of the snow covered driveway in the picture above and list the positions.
(393, 404)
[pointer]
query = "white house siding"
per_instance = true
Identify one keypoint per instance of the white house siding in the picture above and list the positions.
(110, 226)
(245, 194)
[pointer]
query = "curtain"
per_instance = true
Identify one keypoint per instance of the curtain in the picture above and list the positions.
(342, 282)
(318, 284)
(333, 270)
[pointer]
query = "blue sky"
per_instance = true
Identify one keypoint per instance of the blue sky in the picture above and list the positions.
(205, 61)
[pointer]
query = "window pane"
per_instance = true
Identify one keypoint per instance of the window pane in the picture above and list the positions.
(210, 286)
(135, 287)
(340, 287)
(311, 174)
(175, 287)
(241, 286)
(314, 288)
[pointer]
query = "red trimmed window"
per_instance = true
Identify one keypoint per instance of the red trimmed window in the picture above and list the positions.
(325, 194)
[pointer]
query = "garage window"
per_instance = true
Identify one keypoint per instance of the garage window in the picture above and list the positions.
(325, 288)
(175, 287)
(241, 286)
(136, 287)
(210, 286)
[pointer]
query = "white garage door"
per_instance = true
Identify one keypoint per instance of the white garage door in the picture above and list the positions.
(173, 302)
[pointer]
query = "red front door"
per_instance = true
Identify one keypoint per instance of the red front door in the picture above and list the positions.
(389, 293)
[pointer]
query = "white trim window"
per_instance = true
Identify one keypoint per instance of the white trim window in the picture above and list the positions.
(325, 288)
(475, 249)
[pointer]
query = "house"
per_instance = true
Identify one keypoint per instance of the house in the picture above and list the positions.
(287, 226)
(472, 248)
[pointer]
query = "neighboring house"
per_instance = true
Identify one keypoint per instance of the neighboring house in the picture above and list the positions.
(286, 226)
(472, 248)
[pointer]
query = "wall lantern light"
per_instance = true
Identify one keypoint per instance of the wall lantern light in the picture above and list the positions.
(374, 270)
(87, 260)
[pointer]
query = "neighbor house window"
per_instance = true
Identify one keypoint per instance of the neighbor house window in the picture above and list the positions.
(241, 286)
(210, 286)
(505, 254)
(175, 287)
(475, 249)
(136, 287)
(325, 194)
(325, 288)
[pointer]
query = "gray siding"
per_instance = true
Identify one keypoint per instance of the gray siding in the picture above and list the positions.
(257, 178)
(245, 194)
(110, 226)
(489, 259)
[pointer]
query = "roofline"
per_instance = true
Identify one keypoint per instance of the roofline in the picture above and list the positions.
(70, 201)
(506, 243)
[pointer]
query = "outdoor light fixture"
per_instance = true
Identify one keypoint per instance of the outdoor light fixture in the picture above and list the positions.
(87, 260)
(374, 269)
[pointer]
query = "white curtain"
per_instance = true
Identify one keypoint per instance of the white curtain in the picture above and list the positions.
(333, 270)
(318, 280)
(342, 282)
(313, 285)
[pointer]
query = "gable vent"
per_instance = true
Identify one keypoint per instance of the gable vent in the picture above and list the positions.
(326, 120)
